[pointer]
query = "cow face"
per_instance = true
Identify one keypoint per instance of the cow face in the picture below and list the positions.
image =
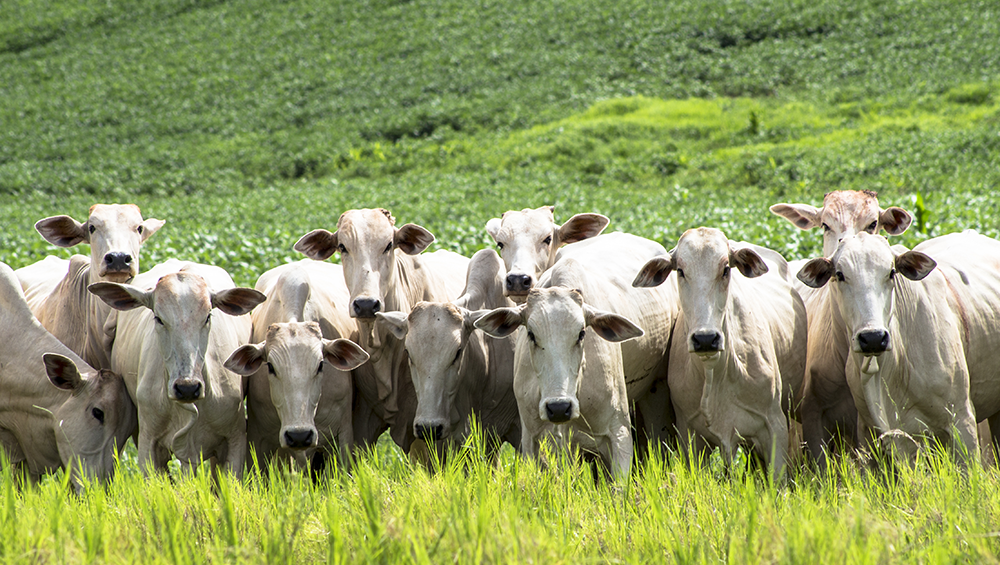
(298, 361)
(845, 213)
(529, 239)
(366, 241)
(114, 231)
(182, 306)
(94, 421)
(865, 274)
(436, 337)
(703, 262)
(555, 324)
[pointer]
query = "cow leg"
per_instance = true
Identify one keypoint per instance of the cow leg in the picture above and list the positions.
(236, 454)
(965, 437)
(344, 443)
(994, 429)
(657, 416)
(621, 451)
(773, 445)
(813, 432)
(152, 456)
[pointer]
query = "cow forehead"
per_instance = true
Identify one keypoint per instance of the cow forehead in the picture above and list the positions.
(434, 323)
(185, 289)
(366, 224)
(527, 222)
(864, 252)
(701, 245)
(124, 214)
(292, 332)
(848, 206)
(557, 308)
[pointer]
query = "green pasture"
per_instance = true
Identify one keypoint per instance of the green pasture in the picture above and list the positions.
(247, 123)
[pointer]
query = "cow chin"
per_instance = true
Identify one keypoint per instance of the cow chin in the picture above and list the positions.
(120, 277)
(517, 298)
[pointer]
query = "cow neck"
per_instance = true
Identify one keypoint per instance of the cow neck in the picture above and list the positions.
(726, 372)
(473, 377)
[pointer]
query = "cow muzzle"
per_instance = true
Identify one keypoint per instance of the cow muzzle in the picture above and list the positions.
(872, 342)
(117, 267)
(187, 390)
(365, 307)
(518, 284)
(706, 342)
(430, 431)
(299, 438)
(559, 410)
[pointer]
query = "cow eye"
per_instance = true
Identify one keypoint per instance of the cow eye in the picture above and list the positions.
(892, 274)
(840, 276)
(158, 321)
(320, 369)
(579, 338)
(270, 368)
(341, 248)
(139, 229)
(547, 241)
(457, 355)
(680, 273)
(725, 271)
(98, 414)
(388, 248)
(93, 229)
(872, 226)
(500, 246)
(208, 319)
(531, 336)
(826, 228)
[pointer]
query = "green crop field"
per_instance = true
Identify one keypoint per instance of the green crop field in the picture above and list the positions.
(247, 123)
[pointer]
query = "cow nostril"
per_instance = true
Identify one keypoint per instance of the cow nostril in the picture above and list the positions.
(127, 259)
(557, 412)
(109, 259)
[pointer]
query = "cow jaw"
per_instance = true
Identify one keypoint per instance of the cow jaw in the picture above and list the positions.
(435, 340)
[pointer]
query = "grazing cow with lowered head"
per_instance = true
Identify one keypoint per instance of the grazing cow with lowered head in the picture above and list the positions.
(738, 350)
(55, 410)
(59, 299)
(176, 328)
(385, 272)
(300, 391)
(456, 370)
(827, 411)
(582, 357)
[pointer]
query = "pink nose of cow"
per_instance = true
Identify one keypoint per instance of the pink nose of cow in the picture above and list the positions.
(366, 307)
(517, 282)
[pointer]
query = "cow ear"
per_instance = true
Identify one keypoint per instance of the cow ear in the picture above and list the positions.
(395, 322)
(894, 220)
(63, 231)
(472, 316)
(318, 245)
(748, 262)
(62, 372)
(803, 216)
(611, 327)
(654, 272)
(344, 354)
(914, 265)
(149, 227)
(413, 239)
(237, 301)
(581, 227)
(816, 273)
(500, 322)
(493, 227)
(122, 296)
(247, 359)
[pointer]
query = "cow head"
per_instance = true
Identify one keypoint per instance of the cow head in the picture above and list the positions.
(529, 240)
(845, 213)
(703, 262)
(555, 324)
(865, 272)
(114, 231)
(366, 241)
(297, 361)
(436, 336)
(95, 419)
(182, 307)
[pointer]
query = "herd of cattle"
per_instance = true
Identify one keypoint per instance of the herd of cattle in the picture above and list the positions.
(870, 343)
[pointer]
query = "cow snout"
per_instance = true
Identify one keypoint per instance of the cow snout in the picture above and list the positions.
(432, 432)
(873, 342)
(116, 261)
(558, 411)
(366, 307)
(706, 341)
(519, 283)
(300, 438)
(187, 390)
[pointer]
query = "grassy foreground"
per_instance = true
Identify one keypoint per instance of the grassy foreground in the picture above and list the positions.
(389, 511)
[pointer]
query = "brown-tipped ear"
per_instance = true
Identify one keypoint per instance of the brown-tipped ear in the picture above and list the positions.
(654, 272)
(413, 239)
(63, 231)
(748, 262)
(344, 354)
(500, 322)
(609, 326)
(803, 216)
(122, 296)
(247, 359)
(894, 220)
(581, 227)
(318, 245)
(395, 322)
(914, 265)
(816, 273)
(149, 227)
(63, 373)
(237, 301)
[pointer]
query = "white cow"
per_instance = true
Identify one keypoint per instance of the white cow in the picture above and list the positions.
(569, 380)
(385, 272)
(300, 392)
(171, 348)
(457, 371)
(738, 350)
(529, 241)
(57, 291)
(922, 339)
(827, 409)
(79, 423)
